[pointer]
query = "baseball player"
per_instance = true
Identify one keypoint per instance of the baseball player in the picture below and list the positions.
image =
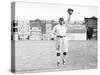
(61, 41)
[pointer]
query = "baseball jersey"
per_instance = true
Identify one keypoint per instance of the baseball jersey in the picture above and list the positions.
(60, 30)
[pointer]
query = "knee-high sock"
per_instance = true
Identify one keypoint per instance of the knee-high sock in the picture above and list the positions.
(58, 56)
(64, 56)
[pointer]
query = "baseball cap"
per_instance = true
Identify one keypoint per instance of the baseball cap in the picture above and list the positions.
(61, 19)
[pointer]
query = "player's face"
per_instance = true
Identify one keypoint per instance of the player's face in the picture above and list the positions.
(61, 22)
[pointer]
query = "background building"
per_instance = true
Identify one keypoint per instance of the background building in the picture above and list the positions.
(35, 29)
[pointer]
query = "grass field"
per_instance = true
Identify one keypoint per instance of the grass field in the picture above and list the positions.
(41, 56)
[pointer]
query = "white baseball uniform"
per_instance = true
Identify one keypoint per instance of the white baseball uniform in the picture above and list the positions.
(61, 43)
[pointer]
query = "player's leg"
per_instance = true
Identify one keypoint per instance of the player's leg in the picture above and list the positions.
(58, 52)
(59, 45)
(58, 58)
(65, 49)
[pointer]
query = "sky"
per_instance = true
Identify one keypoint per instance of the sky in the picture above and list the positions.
(43, 11)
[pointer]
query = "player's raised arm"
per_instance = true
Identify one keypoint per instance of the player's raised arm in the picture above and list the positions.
(70, 11)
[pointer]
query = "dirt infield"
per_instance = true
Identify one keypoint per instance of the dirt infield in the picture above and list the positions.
(41, 55)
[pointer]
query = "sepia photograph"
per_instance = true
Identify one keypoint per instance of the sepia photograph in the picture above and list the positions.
(48, 37)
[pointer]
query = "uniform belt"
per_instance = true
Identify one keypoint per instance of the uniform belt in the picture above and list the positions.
(60, 36)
